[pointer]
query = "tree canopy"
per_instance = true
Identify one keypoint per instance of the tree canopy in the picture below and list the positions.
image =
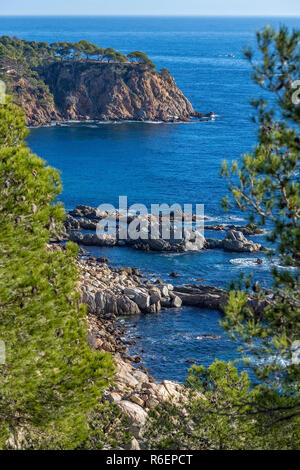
(37, 53)
(141, 58)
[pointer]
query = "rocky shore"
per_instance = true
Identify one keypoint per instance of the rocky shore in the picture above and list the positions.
(125, 291)
(111, 292)
(108, 293)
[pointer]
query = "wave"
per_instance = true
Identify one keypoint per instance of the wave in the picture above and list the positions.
(95, 123)
(207, 337)
(225, 220)
(265, 263)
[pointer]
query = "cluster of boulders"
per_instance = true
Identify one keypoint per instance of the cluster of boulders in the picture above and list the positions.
(247, 230)
(122, 291)
(148, 233)
(191, 241)
(90, 212)
(85, 218)
(234, 241)
(113, 292)
(136, 393)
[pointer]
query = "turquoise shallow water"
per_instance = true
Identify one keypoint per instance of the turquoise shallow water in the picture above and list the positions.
(170, 163)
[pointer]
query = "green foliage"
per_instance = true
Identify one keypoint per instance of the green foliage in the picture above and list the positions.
(267, 186)
(12, 129)
(51, 378)
(165, 72)
(31, 54)
(223, 412)
(63, 49)
(108, 428)
(87, 48)
(109, 54)
(140, 58)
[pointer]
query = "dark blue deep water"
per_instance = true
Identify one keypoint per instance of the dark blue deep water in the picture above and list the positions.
(156, 163)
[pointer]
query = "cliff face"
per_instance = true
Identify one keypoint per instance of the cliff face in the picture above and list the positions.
(106, 91)
(35, 99)
(63, 91)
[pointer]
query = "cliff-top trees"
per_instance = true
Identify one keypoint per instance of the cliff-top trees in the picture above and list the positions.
(114, 56)
(63, 49)
(140, 58)
(50, 378)
(36, 53)
(27, 52)
(87, 48)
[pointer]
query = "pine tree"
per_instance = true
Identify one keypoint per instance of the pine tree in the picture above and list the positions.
(266, 185)
(51, 379)
(262, 413)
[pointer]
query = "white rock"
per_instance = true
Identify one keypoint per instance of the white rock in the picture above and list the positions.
(135, 445)
(137, 416)
(176, 302)
(164, 290)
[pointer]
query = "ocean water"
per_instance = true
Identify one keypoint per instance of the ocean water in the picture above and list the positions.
(164, 163)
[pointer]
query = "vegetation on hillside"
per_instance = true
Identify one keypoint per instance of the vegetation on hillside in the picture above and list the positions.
(262, 413)
(34, 53)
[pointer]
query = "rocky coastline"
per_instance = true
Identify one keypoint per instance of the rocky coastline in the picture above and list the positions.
(113, 292)
(109, 293)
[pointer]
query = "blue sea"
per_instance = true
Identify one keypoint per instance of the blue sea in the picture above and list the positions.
(164, 163)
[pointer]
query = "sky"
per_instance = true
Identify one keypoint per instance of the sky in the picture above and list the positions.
(152, 7)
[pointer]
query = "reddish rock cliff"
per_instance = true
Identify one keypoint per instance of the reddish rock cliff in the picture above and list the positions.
(114, 91)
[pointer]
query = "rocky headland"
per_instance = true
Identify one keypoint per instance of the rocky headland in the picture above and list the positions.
(97, 91)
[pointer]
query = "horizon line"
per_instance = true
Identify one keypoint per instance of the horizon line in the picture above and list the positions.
(158, 15)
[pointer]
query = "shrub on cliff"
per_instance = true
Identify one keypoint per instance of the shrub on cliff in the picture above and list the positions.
(50, 379)
(165, 72)
(87, 48)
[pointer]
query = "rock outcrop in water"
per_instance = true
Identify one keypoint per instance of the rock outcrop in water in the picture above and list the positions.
(84, 218)
(235, 241)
